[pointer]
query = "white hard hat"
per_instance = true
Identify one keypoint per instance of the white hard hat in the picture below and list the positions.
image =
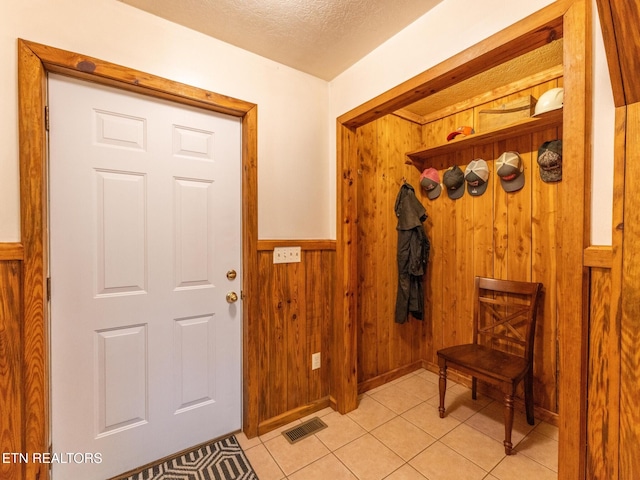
(549, 100)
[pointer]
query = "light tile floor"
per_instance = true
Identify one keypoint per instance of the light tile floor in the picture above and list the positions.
(397, 434)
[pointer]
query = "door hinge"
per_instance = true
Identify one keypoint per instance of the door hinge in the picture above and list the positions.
(46, 118)
(48, 289)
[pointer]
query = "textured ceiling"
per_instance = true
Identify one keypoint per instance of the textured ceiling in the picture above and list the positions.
(520, 67)
(319, 37)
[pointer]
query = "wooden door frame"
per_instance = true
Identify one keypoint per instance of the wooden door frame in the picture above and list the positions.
(615, 454)
(570, 19)
(35, 61)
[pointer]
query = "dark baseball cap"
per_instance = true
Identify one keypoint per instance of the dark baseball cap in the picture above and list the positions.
(453, 180)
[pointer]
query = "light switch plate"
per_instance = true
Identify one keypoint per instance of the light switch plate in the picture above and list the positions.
(286, 254)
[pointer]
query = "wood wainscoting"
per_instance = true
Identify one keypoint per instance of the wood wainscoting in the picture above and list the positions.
(613, 420)
(11, 342)
(604, 383)
(295, 321)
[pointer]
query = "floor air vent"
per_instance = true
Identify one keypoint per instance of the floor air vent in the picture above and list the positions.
(303, 430)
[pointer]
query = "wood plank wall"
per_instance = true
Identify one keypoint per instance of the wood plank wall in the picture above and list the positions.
(613, 421)
(295, 321)
(385, 348)
(11, 381)
(604, 387)
(498, 234)
(296, 314)
(630, 306)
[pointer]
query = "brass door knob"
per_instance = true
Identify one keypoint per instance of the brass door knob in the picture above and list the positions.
(232, 297)
(231, 274)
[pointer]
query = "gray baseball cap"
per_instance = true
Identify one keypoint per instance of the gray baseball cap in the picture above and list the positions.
(477, 175)
(510, 169)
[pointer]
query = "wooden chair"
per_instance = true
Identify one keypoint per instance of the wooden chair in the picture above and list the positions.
(504, 320)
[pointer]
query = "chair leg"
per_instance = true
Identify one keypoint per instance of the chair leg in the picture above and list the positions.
(528, 396)
(442, 387)
(474, 387)
(508, 423)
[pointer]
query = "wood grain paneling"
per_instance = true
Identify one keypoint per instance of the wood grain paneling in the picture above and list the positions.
(345, 355)
(603, 452)
(622, 44)
(383, 345)
(573, 237)
(250, 263)
(604, 387)
(11, 378)
(295, 321)
(630, 306)
(614, 383)
(499, 234)
(33, 227)
(603, 427)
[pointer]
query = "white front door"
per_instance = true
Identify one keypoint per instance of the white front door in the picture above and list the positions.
(145, 223)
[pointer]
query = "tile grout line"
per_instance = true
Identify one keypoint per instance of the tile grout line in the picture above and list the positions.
(423, 402)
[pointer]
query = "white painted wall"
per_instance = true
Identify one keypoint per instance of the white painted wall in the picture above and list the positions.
(603, 141)
(292, 106)
(448, 29)
(297, 112)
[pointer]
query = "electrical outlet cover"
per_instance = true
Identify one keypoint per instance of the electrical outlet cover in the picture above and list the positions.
(315, 361)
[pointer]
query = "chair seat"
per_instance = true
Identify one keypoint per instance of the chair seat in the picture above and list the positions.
(486, 361)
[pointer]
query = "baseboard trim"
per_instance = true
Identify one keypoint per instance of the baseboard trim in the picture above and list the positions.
(271, 424)
(388, 377)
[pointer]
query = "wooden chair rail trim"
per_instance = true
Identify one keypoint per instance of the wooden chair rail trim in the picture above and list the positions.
(266, 245)
(11, 251)
(598, 256)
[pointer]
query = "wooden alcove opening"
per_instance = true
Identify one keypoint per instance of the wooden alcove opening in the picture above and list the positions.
(566, 19)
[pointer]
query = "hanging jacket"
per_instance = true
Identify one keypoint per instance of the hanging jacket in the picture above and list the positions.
(412, 256)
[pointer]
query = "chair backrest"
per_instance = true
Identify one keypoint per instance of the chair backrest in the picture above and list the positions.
(505, 315)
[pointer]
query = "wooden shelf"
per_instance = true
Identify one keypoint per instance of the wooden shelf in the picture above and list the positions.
(419, 158)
